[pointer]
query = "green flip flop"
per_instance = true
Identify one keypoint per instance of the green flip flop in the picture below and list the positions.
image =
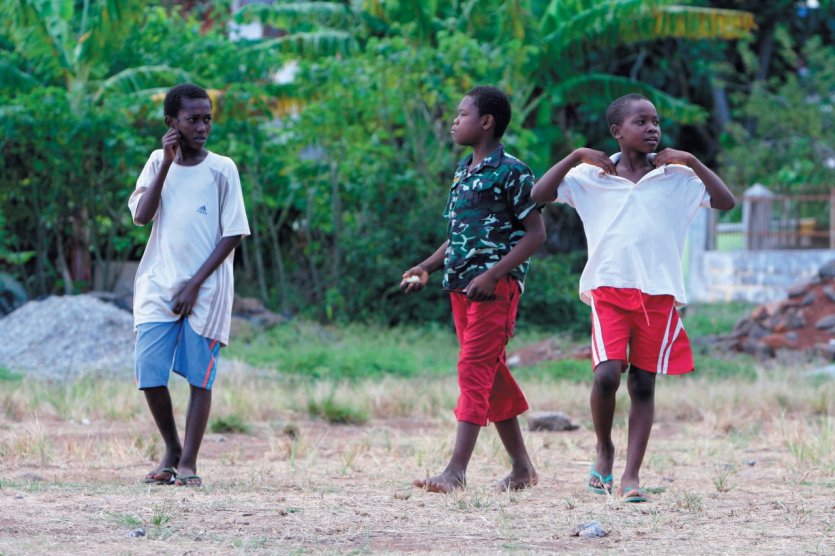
(633, 498)
(608, 482)
(189, 481)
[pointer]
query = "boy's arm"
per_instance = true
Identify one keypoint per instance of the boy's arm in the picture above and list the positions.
(186, 298)
(720, 196)
(545, 190)
(149, 202)
(422, 271)
(483, 286)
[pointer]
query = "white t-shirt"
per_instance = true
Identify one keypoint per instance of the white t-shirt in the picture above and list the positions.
(635, 231)
(199, 205)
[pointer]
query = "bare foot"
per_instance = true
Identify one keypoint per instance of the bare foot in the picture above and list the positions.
(517, 480)
(600, 477)
(444, 483)
(165, 472)
(188, 477)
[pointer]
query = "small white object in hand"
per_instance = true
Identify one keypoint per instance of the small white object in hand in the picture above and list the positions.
(413, 279)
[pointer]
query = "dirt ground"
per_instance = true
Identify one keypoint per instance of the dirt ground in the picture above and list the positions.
(318, 488)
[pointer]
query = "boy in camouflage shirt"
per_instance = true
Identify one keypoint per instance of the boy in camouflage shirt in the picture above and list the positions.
(494, 227)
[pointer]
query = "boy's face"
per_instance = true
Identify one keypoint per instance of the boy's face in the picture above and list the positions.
(468, 127)
(640, 130)
(193, 121)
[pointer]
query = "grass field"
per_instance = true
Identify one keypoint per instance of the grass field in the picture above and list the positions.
(740, 462)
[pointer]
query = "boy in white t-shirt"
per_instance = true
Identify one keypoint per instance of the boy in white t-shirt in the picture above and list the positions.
(636, 207)
(184, 287)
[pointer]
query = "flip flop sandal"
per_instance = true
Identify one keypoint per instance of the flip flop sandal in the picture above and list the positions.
(151, 479)
(608, 482)
(189, 481)
(634, 498)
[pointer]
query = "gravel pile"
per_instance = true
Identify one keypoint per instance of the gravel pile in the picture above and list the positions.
(64, 337)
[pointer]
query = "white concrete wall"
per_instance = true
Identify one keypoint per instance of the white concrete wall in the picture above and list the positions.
(752, 276)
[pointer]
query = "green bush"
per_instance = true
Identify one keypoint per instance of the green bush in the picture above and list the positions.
(551, 298)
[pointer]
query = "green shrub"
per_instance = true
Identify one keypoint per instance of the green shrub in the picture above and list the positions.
(228, 424)
(337, 412)
(551, 297)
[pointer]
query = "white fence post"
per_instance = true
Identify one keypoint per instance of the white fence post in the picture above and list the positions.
(756, 217)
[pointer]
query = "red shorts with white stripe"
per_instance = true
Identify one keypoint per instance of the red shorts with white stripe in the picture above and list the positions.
(641, 329)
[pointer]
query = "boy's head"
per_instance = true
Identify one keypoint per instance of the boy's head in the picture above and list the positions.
(188, 109)
(178, 93)
(633, 122)
(482, 111)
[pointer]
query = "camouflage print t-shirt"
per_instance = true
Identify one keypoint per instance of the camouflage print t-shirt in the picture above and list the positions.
(485, 211)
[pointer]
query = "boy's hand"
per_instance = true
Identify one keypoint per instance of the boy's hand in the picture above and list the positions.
(185, 299)
(171, 145)
(672, 156)
(481, 288)
(596, 158)
(414, 280)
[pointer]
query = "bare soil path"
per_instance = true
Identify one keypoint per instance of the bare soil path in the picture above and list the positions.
(762, 488)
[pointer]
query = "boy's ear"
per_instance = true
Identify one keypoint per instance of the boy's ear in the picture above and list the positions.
(614, 129)
(168, 121)
(488, 122)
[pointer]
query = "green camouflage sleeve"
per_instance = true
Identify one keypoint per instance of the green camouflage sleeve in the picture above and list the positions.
(518, 188)
(447, 206)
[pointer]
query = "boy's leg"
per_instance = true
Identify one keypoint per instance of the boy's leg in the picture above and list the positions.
(602, 401)
(155, 347)
(522, 474)
(611, 330)
(641, 386)
(199, 407)
(159, 402)
(476, 326)
(455, 474)
(196, 359)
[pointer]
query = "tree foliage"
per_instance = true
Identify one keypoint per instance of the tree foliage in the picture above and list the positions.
(346, 163)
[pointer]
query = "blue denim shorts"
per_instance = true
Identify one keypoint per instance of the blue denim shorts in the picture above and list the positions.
(162, 347)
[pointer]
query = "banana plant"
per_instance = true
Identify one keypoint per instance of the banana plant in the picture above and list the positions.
(68, 44)
(65, 47)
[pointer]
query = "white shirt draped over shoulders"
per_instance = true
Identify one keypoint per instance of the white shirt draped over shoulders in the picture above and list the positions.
(198, 207)
(635, 231)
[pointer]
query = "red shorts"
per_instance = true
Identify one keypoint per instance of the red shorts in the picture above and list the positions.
(488, 390)
(648, 325)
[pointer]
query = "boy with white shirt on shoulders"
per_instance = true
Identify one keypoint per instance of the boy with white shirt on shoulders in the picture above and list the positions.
(184, 286)
(636, 207)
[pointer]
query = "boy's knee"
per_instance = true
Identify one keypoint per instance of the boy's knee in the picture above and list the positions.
(641, 384)
(607, 377)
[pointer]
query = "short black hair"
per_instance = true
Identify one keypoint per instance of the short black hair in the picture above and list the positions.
(175, 95)
(493, 101)
(617, 110)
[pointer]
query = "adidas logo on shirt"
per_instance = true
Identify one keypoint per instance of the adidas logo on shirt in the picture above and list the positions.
(202, 210)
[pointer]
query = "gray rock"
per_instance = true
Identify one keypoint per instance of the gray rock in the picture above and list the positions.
(64, 337)
(826, 322)
(756, 348)
(809, 298)
(827, 271)
(136, 533)
(757, 331)
(742, 328)
(829, 292)
(797, 290)
(589, 530)
(550, 421)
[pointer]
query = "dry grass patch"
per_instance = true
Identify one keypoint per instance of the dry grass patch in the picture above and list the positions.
(733, 466)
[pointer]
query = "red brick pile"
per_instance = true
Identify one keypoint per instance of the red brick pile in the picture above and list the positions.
(803, 321)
